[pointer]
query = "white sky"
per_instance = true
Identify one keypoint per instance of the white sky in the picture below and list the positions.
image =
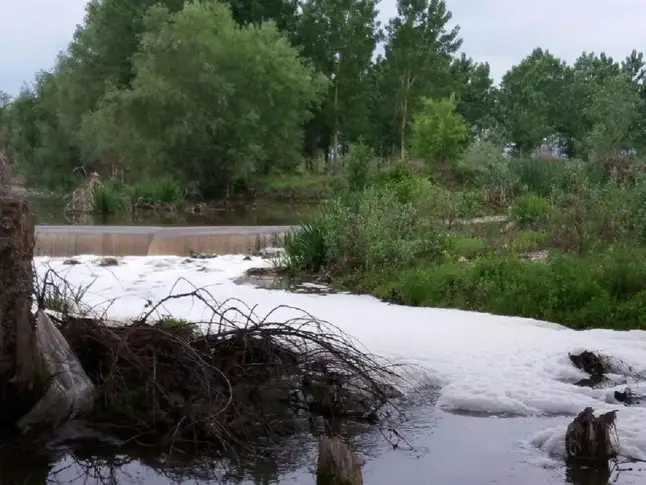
(500, 32)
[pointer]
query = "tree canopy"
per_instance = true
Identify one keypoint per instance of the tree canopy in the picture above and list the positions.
(219, 93)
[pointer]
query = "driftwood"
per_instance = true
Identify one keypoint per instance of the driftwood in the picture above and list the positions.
(592, 438)
(337, 464)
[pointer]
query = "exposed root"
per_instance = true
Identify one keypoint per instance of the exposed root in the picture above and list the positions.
(241, 381)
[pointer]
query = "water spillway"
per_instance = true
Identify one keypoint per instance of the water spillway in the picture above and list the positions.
(55, 241)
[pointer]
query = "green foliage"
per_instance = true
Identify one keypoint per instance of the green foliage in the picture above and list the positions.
(358, 165)
(162, 190)
(369, 231)
(605, 290)
(463, 245)
(196, 109)
(438, 132)
(305, 250)
(528, 241)
(179, 327)
(111, 198)
(531, 211)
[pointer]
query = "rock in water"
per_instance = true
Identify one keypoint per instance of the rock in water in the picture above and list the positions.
(337, 465)
(592, 438)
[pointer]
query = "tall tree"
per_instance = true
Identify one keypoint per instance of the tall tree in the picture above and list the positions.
(211, 101)
(339, 37)
(418, 52)
(283, 12)
(475, 92)
(530, 99)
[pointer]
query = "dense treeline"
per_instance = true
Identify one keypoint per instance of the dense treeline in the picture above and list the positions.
(221, 93)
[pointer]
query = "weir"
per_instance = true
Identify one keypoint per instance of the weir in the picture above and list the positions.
(57, 241)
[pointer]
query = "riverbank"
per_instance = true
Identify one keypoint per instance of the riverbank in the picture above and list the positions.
(571, 251)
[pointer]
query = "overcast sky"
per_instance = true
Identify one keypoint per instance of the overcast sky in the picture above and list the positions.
(500, 32)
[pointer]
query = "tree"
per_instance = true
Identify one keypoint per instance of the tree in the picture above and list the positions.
(612, 113)
(529, 100)
(211, 101)
(438, 131)
(339, 37)
(418, 52)
(475, 92)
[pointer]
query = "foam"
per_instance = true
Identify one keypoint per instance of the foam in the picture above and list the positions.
(487, 364)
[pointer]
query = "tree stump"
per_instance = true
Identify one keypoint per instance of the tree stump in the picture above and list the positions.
(592, 438)
(19, 357)
(337, 464)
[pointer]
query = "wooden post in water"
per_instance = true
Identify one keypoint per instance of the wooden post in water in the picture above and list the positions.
(337, 464)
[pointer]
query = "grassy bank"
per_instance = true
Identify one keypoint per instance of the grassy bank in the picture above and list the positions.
(571, 251)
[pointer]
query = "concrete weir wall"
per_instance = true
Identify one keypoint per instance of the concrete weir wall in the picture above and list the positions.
(57, 241)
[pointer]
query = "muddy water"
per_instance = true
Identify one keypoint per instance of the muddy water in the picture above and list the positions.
(50, 211)
(439, 448)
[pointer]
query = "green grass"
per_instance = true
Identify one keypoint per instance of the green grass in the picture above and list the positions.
(113, 197)
(162, 190)
(603, 290)
(305, 187)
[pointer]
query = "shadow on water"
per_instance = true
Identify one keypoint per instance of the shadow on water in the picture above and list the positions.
(432, 447)
(50, 211)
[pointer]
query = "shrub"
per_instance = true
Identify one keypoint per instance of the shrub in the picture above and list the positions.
(603, 290)
(528, 241)
(358, 164)
(371, 231)
(305, 249)
(531, 211)
(110, 198)
(466, 246)
(540, 176)
(163, 190)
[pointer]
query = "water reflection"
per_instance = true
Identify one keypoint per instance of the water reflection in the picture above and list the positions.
(583, 474)
(50, 210)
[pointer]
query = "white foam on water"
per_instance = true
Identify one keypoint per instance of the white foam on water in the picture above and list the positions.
(486, 363)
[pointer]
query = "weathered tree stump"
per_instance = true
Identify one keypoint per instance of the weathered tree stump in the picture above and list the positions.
(590, 438)
(337, 464)
(19, 357)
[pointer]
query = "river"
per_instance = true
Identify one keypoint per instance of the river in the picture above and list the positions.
(500, 389)
(50, 210)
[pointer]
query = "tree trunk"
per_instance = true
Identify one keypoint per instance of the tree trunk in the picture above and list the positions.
(337, 465)
(19, 358)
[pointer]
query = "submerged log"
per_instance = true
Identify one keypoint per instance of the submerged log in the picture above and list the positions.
(19, 357)
(592, 438)
(337, 464)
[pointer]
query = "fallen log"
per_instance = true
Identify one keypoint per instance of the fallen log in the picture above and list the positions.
(337, 464)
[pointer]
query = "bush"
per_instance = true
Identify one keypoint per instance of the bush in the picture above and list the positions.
(305, 250)
(603, 290)
(540, 176)
(465, 246)
(528, 241)
(163, 190)
(370, 231)
(358, 164)
(110, 198)
(531, 211)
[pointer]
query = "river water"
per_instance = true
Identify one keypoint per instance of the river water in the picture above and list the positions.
(50, 210)
(500, 390)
